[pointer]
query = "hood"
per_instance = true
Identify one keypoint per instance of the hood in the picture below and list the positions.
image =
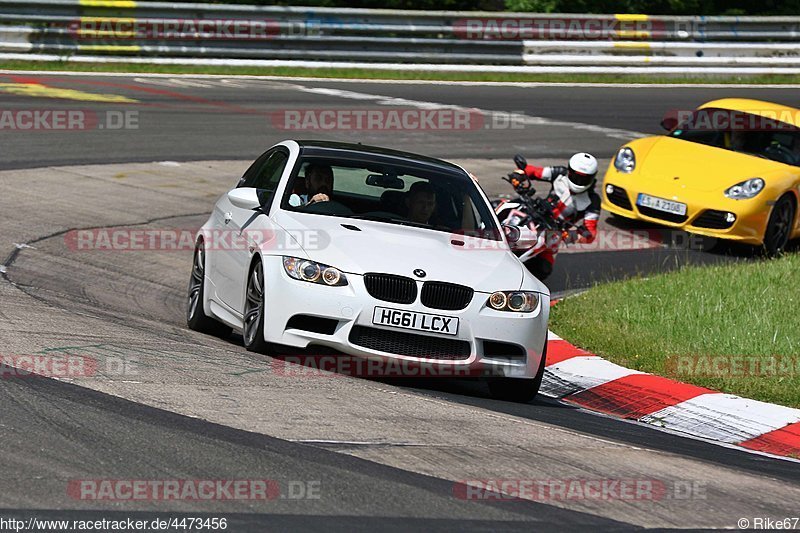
(697, 167)
(486, 266)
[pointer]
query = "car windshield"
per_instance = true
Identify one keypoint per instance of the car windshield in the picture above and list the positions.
(404, 195)
(742, 132)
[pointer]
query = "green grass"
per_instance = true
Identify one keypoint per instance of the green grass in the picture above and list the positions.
(390, 75)
(747, 309)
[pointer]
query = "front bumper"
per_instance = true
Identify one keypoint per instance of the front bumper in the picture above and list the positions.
(489, 342)
(702, 217)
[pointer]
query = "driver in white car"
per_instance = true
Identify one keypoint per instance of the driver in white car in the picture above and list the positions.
(319, 184)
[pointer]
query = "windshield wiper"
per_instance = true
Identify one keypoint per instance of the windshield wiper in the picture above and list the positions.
(379, 218)
(401, 221)
(376, 218)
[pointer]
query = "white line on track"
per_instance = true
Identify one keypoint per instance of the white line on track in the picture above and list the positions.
(411, 82)
(528, 120)
(525, 119)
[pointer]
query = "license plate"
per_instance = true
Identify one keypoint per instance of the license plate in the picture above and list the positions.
(659, 204)
(396, 318)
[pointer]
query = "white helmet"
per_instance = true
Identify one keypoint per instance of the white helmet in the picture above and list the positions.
(582, 172)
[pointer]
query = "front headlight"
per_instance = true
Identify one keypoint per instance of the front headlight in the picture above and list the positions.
(625, 160)
(514, 301)
(746, 189)
(312, 272)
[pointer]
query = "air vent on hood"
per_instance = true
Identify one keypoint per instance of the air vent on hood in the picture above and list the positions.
(351, 227)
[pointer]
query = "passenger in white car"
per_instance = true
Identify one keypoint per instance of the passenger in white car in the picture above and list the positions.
(421, 202)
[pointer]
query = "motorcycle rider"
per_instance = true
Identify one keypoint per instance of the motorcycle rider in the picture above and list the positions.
(573, 199)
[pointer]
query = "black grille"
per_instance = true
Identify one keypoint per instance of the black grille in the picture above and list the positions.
(619, 197)
(410, 344)
(439, 295)
(712, 219)
(389, 288)
(655, 213)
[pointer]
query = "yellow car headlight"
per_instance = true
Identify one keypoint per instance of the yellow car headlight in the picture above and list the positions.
(625, 160)
(746, 189)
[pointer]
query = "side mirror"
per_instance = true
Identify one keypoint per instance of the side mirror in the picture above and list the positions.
(245, 198)
(512, 233)
(669, 123)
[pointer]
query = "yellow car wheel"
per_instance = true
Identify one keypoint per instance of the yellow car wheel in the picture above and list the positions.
(779, 226)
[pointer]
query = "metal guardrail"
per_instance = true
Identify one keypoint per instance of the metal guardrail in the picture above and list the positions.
(113, 30)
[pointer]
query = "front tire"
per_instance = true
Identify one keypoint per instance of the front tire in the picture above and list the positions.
(516, 389)
(254, 307)
(779, 227)
(196, 317)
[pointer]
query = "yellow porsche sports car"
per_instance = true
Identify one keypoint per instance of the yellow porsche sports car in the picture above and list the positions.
(729, 169)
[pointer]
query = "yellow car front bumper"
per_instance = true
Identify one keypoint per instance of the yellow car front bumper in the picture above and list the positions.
(703, 216)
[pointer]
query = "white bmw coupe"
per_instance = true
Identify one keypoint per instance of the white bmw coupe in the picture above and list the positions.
(371, 253)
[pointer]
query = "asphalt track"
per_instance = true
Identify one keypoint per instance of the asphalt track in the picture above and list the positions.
(184, 120)
(386, 453)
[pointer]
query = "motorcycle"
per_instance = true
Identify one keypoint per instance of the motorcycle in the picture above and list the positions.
(540, 231)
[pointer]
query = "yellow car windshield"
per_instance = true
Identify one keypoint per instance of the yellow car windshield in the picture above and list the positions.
(747, 133)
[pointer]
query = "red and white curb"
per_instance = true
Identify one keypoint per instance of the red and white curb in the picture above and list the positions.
(583, 379)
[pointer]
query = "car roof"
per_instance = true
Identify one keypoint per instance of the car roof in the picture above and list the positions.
(781, 113)
(333, 149)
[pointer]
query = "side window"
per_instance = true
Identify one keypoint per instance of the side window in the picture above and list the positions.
(266, 171)
(250, 175)
(270, 173)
